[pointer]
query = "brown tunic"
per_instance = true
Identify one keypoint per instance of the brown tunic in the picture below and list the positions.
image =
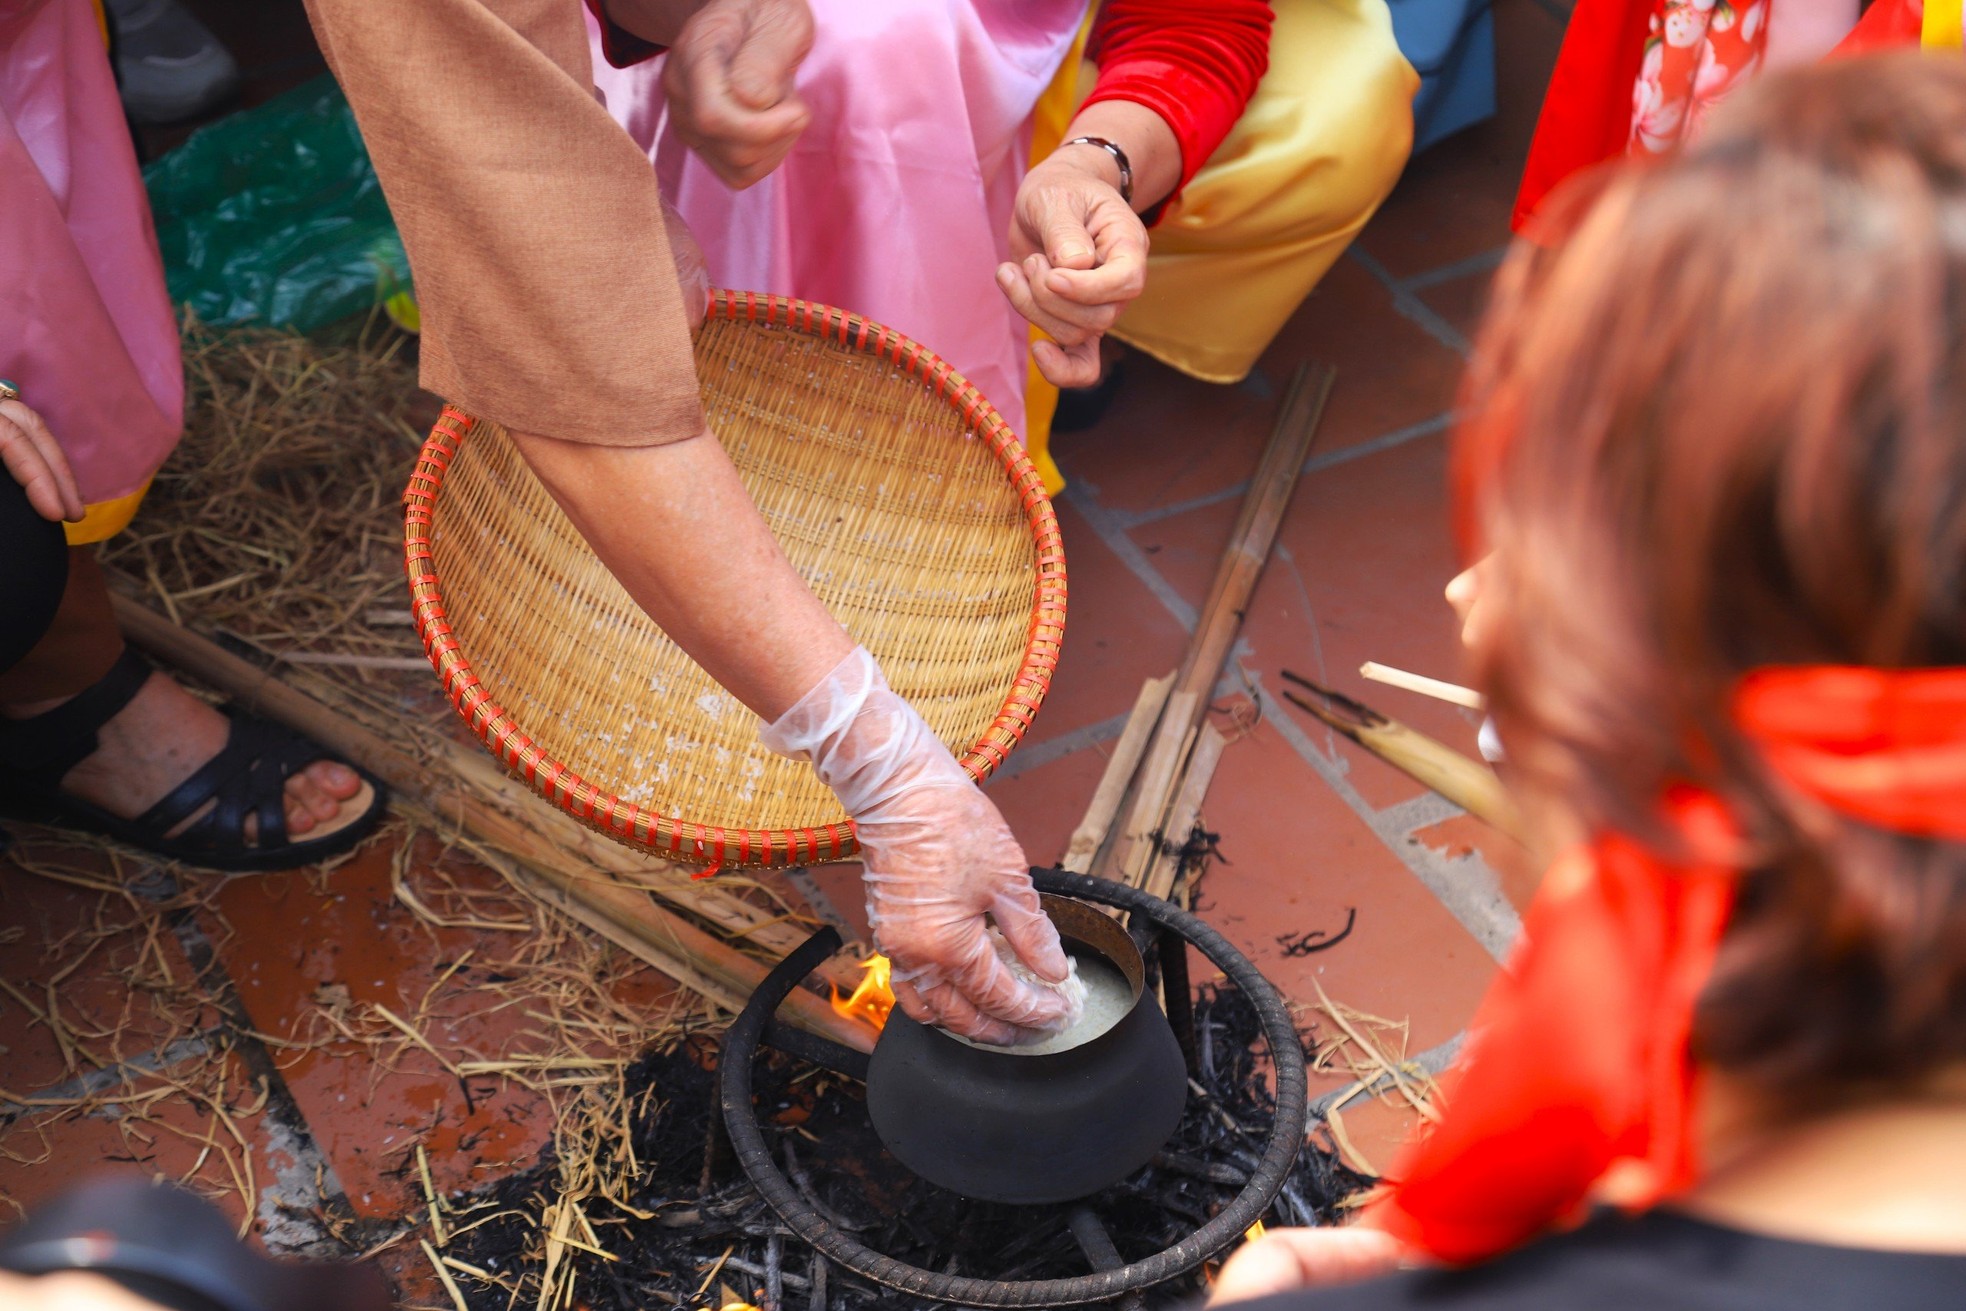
(532, 222)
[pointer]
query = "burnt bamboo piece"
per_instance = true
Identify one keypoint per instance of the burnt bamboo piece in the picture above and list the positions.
(1462, 779)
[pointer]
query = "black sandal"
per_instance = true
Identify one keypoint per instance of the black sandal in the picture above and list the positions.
(246, 778)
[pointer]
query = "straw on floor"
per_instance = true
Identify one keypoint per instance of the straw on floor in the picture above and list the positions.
(896, 490)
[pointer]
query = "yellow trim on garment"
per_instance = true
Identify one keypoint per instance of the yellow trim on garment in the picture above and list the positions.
(1942, 26)
(105, 519)
(102, 21)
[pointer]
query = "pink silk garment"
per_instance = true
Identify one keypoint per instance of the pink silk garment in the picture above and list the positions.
(86, 327)
(896, 202)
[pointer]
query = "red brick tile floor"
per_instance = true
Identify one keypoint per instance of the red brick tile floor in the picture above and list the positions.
(119, 978)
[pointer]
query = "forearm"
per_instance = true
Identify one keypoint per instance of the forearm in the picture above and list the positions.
(659, 21)
(677, 528)
(1150, 145)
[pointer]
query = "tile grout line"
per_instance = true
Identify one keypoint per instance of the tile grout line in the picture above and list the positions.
(309, 1183)
(1466, 886)
(1486, 262)
(1127, 520)
(99, 1081)
(1411, 307)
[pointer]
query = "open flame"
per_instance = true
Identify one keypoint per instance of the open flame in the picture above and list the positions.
(872, 998)
(1254, 1232)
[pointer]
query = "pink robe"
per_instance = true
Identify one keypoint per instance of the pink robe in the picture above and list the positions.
(896, 202)
(86, 327)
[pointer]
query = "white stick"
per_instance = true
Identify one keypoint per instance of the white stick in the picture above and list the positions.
(1433, 687)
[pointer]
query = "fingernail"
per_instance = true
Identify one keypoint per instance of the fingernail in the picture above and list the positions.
(1070, 252)
(1005, 274)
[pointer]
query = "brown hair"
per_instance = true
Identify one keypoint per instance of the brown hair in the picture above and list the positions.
(1733, 407)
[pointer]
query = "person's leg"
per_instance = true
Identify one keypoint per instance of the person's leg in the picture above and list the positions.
(162, 736)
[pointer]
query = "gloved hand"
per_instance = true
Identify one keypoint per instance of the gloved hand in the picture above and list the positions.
(938, 857)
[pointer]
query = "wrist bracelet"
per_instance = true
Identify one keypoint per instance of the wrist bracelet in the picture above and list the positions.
(1119, 157)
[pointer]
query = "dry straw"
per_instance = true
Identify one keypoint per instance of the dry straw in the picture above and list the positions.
(895, 488)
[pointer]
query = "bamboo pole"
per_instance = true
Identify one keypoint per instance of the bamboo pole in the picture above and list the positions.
(730, 974)
(1159, 777)
(1463, 780)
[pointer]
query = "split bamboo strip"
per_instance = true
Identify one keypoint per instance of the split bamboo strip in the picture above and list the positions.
(711, 960)
(1134, 845)
(1463, 780)
(1185, 811)
(1125, 855)
(1090, 835)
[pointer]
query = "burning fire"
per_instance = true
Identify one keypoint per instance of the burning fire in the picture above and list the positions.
(1254, 1232)
(872, 997)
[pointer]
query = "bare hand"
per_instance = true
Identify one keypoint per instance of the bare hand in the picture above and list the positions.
(1080, 257)
(729, 81)
(37, 464)
(69, 1290)
(1285, 1260)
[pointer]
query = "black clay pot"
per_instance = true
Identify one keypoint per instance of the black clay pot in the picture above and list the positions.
(1001, 1126)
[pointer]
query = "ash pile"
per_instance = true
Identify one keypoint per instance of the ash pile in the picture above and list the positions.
(693, 1232)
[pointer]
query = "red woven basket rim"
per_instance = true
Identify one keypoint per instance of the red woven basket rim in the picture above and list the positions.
(685, 840)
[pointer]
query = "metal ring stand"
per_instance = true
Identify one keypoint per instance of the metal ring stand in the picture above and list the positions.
(1279, 1154)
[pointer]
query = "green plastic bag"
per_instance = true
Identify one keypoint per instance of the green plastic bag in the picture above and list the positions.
(274, 216)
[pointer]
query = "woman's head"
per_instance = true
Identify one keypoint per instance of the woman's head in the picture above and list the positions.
(1732, 409)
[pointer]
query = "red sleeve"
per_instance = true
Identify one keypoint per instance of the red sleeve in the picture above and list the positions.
(621, 47)
(1194, 62)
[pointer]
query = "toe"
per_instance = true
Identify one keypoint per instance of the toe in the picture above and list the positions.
(307, 804)
(335, 779)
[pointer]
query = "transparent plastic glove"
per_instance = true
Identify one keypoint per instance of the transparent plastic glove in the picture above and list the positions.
(939, 859)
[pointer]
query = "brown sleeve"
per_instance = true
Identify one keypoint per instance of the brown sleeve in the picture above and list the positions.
(533, 224)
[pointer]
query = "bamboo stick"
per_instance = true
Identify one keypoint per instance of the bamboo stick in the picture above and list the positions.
(1104, 808)
(1463, 780)
(1433, 687)
(685, 946)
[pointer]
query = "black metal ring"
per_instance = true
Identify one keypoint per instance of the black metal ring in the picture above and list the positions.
(1265, 1181)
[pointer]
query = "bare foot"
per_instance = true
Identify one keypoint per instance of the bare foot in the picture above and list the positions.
(161, 738)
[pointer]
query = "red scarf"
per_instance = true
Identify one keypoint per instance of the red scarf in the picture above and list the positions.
(1578, 1084)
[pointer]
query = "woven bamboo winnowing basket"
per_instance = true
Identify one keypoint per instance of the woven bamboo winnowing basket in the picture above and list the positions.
(902, 498)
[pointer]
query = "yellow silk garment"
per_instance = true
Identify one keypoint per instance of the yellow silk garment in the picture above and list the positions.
(1317, 150)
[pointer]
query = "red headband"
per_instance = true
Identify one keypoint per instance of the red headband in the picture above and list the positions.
(1578, 1083)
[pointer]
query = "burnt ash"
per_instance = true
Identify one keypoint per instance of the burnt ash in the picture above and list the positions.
(704, 1209)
